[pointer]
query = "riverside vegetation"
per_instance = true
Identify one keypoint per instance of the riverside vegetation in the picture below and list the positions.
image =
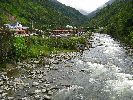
(35, 46)
(116, 20)
(18, 48)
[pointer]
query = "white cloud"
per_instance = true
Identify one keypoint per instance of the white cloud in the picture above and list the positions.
(87, 5)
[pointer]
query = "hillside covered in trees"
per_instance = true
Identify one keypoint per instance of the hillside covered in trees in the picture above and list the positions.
(116, 19)
(43, 13)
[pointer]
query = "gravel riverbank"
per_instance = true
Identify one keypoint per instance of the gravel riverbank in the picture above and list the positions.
(37, 78)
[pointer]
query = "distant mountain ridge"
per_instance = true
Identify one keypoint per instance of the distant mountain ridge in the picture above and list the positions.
(93, 13)
(83, 12)
(110, 2)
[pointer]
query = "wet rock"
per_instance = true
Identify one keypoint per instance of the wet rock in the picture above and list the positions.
(1, 83)
(54, 87)
(85, 70)
(31, 92)
(46, 85)
(50, 92)
(4, 94)
(47, 66)
(68, 65)
(19, 63)
(1, 91)
(19, 67)
(25, 98)
(100, 44)
(44, 90)
(47, 97)
(26, 85)
(6, 88)
(40, 76)
(43, 79)
(53, 68)
(37, 91)
(55, 62)
(5, 78)
(10, 98)
(36, 62)
(35, 84)
(40, 81)
(33, 72)
(38, 71)
(4, 73)
(37, 97)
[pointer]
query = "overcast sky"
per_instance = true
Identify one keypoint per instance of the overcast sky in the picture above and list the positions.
(87, 5)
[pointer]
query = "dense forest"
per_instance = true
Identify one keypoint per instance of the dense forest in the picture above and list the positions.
(116, 19)
(42, 13)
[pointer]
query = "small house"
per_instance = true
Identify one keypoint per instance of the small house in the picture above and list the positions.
(18, 28)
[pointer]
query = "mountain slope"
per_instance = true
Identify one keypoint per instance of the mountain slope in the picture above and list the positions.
(83, 12)
(117, 19)
(43, 13)
(93, 13)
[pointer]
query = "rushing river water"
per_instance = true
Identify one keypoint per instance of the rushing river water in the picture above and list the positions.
(105, 72)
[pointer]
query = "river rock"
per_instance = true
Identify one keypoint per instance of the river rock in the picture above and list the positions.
(4, 73)
(85, 70)
(1, 91)
(46, 85)
(10, 98)
(47, 97)
(35, 84)
(4, 94)
(37, 91)
(38, 71)
(31, 92)
(55, 62)
(1, 83)
(50, 92)
(36, 62)
(6, 88)
(44, 90)
(37, 97)
(40, 76)
(68, 65)
(53, 68)
(26, 85)
(47, 66)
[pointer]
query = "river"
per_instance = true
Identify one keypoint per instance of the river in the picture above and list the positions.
(104, 72)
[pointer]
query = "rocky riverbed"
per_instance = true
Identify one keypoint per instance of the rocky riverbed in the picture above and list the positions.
(37, 78)
(104, 72)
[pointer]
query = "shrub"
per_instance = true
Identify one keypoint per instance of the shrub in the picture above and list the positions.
(36, 46)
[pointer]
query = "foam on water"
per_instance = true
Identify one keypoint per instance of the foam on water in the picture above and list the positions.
(72, 93)
(101, 73)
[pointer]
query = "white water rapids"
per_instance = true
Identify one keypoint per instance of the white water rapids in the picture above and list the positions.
(105, 72)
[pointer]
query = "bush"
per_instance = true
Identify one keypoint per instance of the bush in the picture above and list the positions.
(6, 53)
(36, 46)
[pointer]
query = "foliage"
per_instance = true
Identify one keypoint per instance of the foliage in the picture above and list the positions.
(5, 46)
(35, 46)
(117, 19)
(44, 14)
